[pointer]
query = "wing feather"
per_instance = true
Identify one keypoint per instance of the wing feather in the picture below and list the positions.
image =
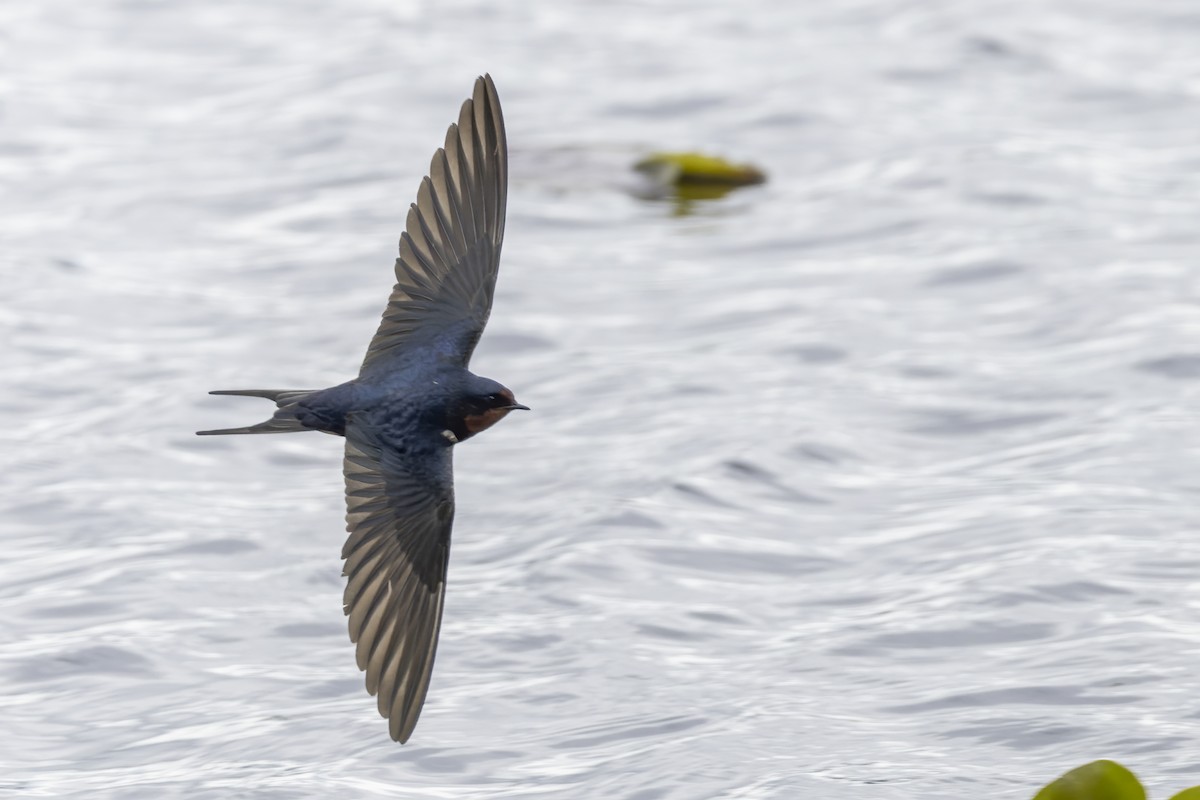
(399, 512)
(450, 248)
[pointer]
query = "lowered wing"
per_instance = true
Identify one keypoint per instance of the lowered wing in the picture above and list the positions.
(399, 511)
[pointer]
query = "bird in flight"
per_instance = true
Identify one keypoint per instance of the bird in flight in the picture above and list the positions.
(413, 400)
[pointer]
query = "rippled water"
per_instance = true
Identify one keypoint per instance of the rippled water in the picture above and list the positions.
(883, 473)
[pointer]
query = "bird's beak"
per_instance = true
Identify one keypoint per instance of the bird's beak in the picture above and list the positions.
(518, 406)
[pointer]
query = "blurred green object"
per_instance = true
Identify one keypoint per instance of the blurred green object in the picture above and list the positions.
(1099, 780)
(698, 169)
(1103, 780)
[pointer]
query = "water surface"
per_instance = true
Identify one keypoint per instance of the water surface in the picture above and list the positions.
(882, 473)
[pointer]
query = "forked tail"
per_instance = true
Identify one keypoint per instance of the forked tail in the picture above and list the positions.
(284, 420)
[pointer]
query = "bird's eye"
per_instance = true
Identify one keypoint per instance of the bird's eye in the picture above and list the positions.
(491, 399)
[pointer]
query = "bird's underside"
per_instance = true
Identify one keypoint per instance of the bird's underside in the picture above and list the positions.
(400, 487)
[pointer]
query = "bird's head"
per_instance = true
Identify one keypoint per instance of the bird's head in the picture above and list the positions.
(481, 404)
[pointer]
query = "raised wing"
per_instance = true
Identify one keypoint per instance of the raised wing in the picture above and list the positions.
(450, 252)
(399, 510)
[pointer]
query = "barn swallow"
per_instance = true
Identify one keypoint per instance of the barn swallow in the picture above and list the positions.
(413, 400)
